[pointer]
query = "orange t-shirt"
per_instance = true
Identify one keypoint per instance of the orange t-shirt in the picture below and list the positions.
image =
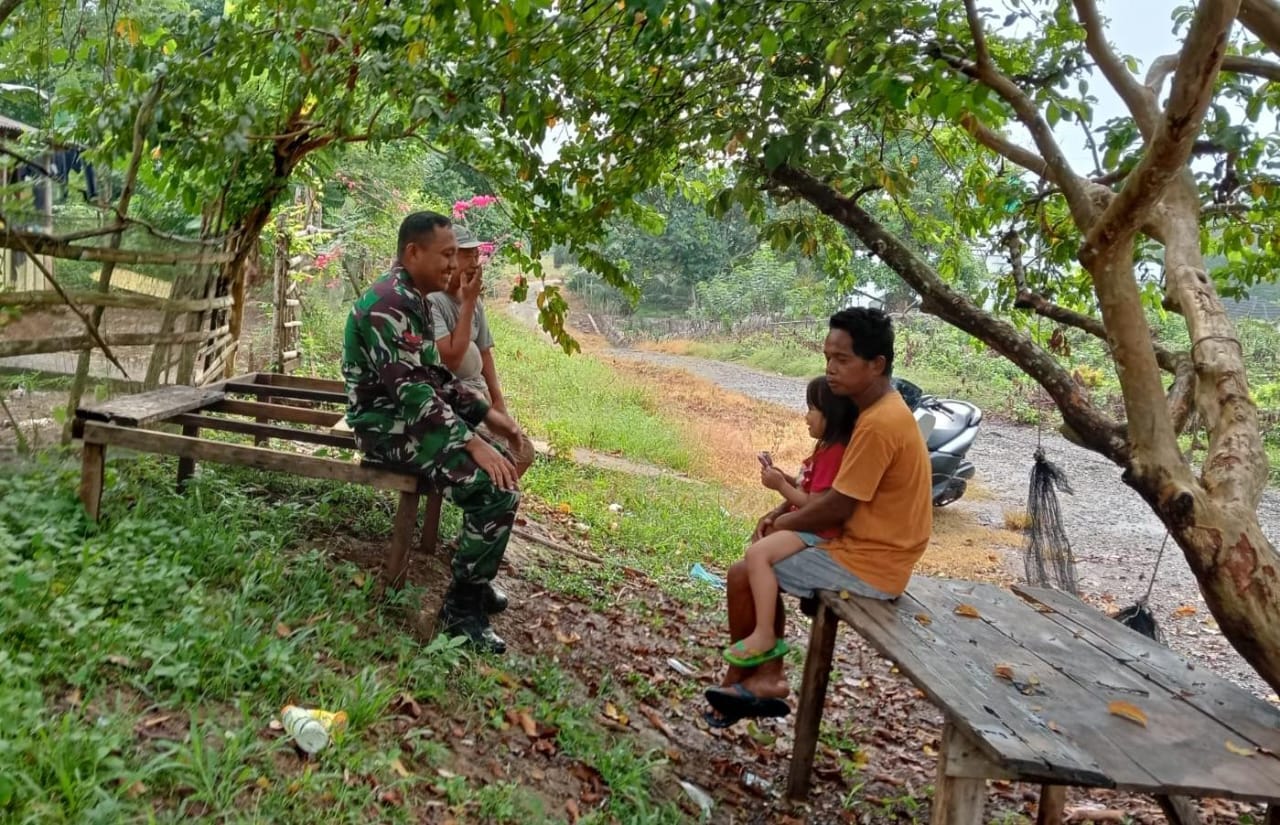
(886, 470)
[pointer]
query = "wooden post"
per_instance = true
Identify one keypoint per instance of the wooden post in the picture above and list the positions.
(1053, 801)
(393, 574)
(1273, 815)
(431, 523)
(187, 466)
(91, 471)
(813, 695)
(1181, 810)
(956, 800)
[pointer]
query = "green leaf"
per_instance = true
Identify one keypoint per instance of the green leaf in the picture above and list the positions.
(777, 152)
(768, 43)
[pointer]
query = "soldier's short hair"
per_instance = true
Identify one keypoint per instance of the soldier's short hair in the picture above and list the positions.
(419, 226)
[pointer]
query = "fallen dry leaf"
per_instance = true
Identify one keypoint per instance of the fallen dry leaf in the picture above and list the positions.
(136, 790)
(1239, 751)
(571, 808)
(405, 705)
(923, 618)
(569, 639)
(263, 783)
(658, 722)
(391, 797)
(1185, 610)
(400, 769)
(73, 697)
(527, 723)
(844, 594)
(358, 578)
(283, 630)
(1125, 710)
(611, 712)
(968, 611)
(1004, 671)
(445, 773)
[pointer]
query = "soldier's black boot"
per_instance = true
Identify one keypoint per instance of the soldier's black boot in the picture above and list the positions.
(493, 599)
(462, 614)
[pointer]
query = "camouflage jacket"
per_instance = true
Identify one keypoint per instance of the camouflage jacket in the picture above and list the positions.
(396, 383)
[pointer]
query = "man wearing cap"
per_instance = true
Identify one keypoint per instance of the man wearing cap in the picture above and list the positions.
(462, 335)
(463, 338)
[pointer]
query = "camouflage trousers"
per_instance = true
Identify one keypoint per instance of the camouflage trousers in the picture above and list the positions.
(488, 511)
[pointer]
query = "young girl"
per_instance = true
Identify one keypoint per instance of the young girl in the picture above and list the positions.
(831, 420)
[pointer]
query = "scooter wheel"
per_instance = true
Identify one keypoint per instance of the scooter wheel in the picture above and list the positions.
(953, 493)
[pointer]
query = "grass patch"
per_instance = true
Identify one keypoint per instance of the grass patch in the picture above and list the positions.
(144, 656)
(578, 401)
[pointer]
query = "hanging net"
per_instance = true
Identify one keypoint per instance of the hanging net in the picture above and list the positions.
(1047, 555)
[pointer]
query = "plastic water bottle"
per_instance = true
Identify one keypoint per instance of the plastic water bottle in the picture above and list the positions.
(309, 727)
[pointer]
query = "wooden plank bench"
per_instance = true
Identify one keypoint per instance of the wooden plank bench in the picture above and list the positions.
(1026, 686)
(122, 422)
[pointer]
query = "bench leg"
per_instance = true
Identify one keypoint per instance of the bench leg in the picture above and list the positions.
(956, 800)
(1053, 803)
(813, 695)
(393, 574)
(430, 524)
(92, 467)
(1181, 810)
(187, 466)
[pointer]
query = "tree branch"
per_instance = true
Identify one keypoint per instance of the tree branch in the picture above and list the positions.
(979, 34)
(1006, 148)
(1170, 150)
(7, 8)
(1168, 360)
(1058, 168)
(1255, 66)
(1141, 101)
(1099, 431)
(1262, 17)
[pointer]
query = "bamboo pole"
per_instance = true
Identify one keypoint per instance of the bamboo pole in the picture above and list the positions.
(85, 343)
(111, 299)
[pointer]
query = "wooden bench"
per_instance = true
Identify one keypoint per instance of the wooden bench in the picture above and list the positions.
(1026, 686)
(313, 405)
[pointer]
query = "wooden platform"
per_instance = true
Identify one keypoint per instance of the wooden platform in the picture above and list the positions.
(1048, 690)
(270, 407)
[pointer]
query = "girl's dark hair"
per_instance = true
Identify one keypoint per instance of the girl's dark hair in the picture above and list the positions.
(841, 414)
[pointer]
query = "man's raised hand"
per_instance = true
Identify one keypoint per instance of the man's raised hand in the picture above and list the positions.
(472, 284)
(499, 468)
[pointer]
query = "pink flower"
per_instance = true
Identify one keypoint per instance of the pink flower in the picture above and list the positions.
(486, 248)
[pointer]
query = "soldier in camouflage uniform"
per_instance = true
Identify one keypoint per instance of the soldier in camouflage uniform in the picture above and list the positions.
(405, 407)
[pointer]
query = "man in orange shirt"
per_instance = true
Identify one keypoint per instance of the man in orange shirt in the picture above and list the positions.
(881, 501)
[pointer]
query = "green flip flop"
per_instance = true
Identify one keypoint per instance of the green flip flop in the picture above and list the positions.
(734, 654)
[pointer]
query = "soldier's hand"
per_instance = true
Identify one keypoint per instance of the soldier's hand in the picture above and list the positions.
(502, 471)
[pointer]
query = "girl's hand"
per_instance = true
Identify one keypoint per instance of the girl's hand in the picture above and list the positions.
(773, 478)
